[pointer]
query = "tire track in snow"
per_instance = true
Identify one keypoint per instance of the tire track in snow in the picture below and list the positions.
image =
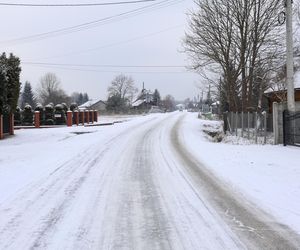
(257, 229)
(194, 222)
(66, 183)
(157, 209)
(139, 222)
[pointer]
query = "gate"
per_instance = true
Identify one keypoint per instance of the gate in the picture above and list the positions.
(291, 128)
(5, 123)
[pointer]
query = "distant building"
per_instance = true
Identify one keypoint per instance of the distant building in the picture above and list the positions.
(144, 100)
(215, 107)
(94, 104)
(180, 106)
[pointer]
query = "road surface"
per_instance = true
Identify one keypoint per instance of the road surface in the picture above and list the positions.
(138, 189)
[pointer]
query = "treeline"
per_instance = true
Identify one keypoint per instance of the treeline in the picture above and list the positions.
(123, 93)
(49, 90)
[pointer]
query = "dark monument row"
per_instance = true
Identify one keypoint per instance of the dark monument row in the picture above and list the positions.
(53, 115)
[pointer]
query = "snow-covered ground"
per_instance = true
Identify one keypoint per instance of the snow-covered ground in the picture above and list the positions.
(110, 187)
(116, 118)
(124, 187)
(32, 153)
(268, 175)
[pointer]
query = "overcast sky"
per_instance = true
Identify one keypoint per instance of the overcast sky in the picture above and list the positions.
(153, 36)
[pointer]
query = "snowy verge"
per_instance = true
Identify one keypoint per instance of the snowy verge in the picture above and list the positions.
(267, 175)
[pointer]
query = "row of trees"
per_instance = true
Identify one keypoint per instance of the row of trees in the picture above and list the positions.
(241, 42)
(122, 93)
(49, 90)
(9, 83)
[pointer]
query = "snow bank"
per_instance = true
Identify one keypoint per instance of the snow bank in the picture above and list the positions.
(268, 175)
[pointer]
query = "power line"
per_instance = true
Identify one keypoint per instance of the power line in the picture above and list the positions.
(110, 44)
(103, 65)
(114, 71)
(92, 24)
(73, 5)
(93, 68)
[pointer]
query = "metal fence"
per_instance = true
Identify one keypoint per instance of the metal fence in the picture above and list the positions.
(251, 125)
(291, 128)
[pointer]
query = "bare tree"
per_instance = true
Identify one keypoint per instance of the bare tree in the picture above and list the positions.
(240, 39)
(49, 90)
(122, 86)
(210, 42)
(168, 103)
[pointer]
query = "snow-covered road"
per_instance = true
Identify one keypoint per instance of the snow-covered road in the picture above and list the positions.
(129, 186)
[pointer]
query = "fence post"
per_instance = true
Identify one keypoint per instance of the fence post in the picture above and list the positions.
(37, 119)
(236, 123)
(1, 127)
(11, 124)
(284, 127)
(96, 116)
(87, 116)
(69, 118)
(255, 120)
(248, 125)
(231, 122)
(76, 114)
(275, 123)
(265, 126)
(242, 124)
(225, 124)
(82, 117)
(93, 114)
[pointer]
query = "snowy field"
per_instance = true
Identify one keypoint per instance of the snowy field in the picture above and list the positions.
(123, 186)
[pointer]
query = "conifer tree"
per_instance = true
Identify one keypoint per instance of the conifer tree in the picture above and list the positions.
(27, 96)
(156, 97)
(13, 71)
(80, 99)
(9, 83)
(3, 90)
(85, 97)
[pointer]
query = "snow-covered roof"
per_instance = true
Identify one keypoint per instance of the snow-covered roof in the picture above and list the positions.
(297, 79)
(138, 102)
(89, 103)
(282, 86)
(215, 103)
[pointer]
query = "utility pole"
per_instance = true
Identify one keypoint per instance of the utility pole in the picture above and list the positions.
(290, 56)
